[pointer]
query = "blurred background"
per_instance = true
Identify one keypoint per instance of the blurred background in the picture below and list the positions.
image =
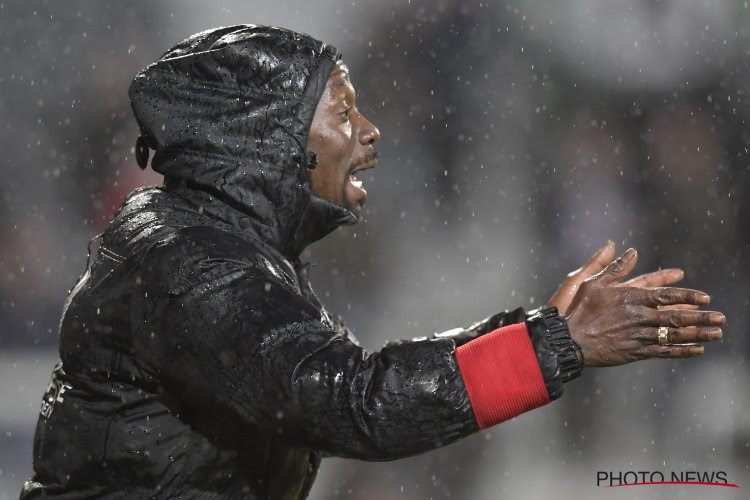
(516, 138)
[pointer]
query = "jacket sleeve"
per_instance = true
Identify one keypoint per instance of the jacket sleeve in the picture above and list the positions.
(463, 335)
(238, 338)
(560, 357)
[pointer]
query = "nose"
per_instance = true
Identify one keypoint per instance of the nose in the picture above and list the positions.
(368, 133)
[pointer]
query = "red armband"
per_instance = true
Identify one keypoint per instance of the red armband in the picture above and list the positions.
(501, 374)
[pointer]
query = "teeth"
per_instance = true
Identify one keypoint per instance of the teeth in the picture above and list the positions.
(356, 183)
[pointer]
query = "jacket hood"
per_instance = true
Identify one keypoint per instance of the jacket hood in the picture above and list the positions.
(228, 112)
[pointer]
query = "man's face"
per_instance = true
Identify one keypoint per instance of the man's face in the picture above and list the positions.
(342, 138)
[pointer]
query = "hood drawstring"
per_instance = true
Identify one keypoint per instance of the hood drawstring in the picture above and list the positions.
(307, 159)
(142, 151)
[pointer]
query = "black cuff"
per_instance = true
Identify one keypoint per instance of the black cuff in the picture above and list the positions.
(546, 354)
(569, 353)
(557, 352)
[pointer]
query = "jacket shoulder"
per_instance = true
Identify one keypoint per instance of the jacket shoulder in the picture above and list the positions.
(152, 216)
(145, 217)
(193, 255)
(163, 235)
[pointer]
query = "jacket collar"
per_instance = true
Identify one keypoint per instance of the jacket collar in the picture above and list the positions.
(319, 218)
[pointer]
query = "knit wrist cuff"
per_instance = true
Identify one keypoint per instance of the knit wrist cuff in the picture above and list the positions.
(569, 354)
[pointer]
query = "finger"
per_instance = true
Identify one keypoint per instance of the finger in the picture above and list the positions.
(681, 318)
(671, 351)
(599, 260)
(687, 335)
(564, 295)
(667, 296)
(678, 307)
(617, 269)
(656, 278)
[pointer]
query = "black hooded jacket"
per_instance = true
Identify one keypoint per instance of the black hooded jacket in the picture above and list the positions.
(196, 360)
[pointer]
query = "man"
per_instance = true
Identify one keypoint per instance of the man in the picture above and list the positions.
(197, 362)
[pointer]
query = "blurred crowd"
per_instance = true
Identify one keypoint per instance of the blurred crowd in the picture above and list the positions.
(516, 138)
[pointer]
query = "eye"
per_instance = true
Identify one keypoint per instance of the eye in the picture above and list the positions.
(345, 114)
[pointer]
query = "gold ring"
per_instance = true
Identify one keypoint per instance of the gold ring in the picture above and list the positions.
(663, 334)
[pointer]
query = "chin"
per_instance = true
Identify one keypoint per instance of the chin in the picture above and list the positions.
(355, 206)
(358, 214)
(358, 211)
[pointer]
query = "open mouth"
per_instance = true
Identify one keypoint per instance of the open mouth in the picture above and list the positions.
(367, 163)
(355, 182)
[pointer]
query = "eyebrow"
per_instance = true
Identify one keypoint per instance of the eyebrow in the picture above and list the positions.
(339, 83)
(342, 86)
(342, 71)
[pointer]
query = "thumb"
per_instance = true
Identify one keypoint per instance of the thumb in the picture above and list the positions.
(599, 260)
(618, 269)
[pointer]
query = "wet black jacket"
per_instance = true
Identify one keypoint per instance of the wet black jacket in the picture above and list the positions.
(196, 360)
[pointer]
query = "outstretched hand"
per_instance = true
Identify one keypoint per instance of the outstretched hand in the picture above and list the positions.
(603, 257)
(616, 323)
